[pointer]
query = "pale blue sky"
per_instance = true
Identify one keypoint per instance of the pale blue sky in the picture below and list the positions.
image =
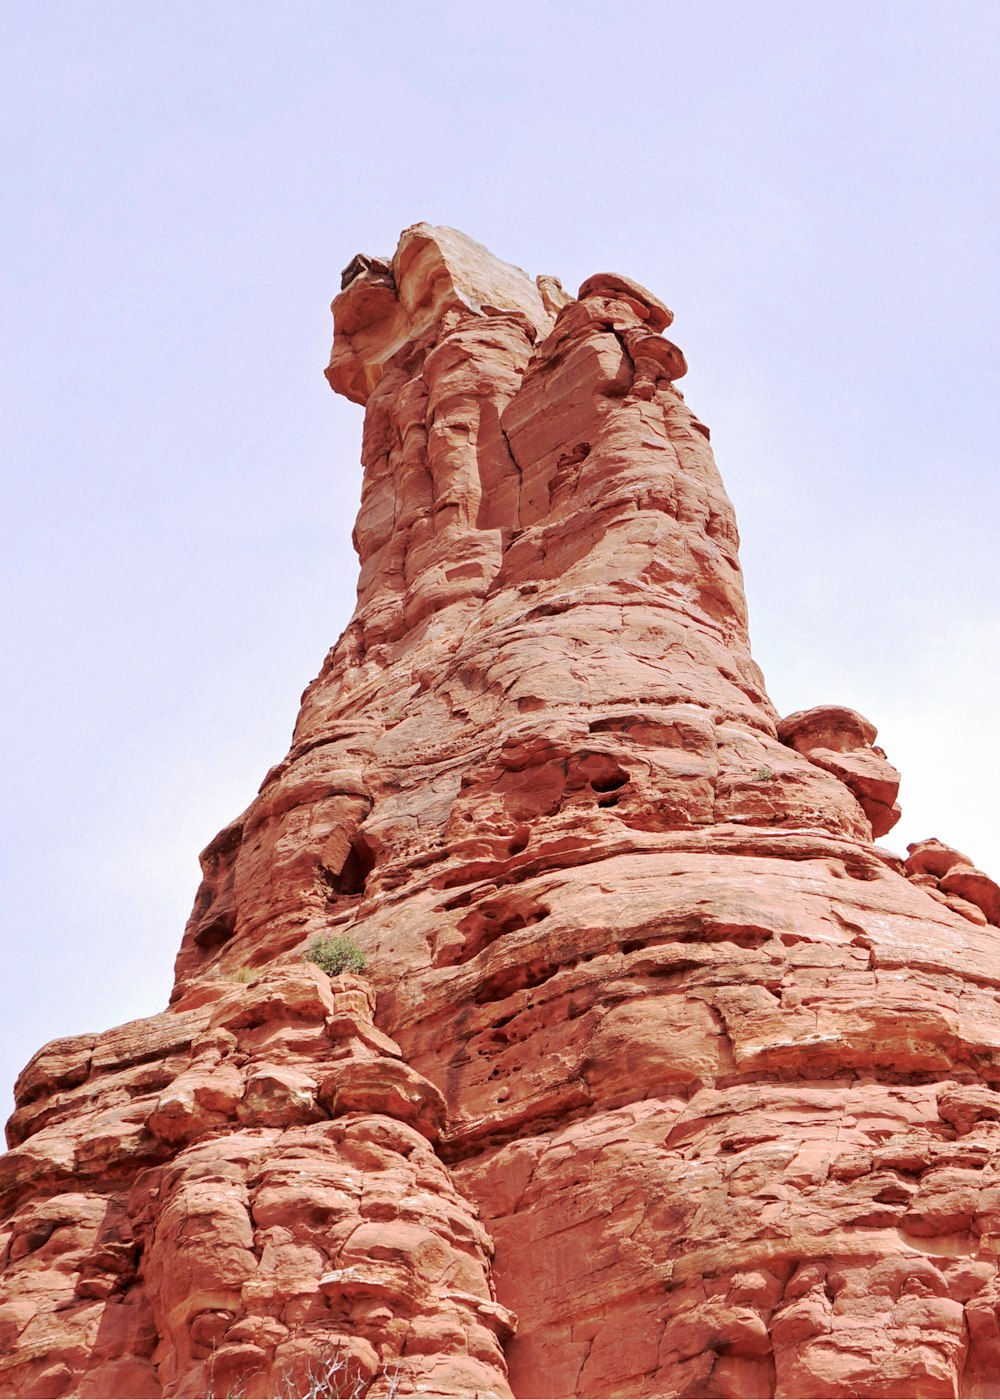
(813, 188)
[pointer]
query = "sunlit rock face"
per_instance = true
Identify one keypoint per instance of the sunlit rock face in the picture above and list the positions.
(662, 1079)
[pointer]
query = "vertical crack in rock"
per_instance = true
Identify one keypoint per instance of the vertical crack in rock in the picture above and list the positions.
(660, 1078)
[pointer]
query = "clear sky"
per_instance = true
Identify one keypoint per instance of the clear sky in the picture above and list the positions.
(813, 188)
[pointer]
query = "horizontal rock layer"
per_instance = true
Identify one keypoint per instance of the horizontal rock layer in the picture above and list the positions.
(677, 1084)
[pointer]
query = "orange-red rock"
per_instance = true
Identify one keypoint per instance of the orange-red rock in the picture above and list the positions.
(662, 1079)
(843, 742)
(951, 878)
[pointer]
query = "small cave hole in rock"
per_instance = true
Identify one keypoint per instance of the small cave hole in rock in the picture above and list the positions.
(509, 980)
(216, 930)
(519, 841)
(357, 867)
(611, 783)
(491, 921)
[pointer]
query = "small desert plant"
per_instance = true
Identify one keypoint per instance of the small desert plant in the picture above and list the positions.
(336, 955)
(246, 973)
(328, 1377)
(332, 1377)
(765, 774)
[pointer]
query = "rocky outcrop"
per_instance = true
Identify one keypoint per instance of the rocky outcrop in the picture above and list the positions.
(676, 1084)
(949, 876)
(843, 742)
(241, 1199)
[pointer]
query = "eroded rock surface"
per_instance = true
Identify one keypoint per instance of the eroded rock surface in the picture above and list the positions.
(663, 1078)
(260, 1202)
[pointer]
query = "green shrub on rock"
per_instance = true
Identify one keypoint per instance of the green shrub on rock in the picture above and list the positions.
(336, 955)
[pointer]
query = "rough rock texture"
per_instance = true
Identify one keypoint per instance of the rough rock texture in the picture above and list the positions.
(716, 1077)
(233, 1196)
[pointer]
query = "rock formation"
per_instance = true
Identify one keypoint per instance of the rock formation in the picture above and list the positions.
(662, 1078)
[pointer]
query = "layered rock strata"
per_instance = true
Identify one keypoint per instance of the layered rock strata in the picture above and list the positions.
(677, 1083)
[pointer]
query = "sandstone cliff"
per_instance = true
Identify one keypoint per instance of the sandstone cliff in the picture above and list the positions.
(662, 1078)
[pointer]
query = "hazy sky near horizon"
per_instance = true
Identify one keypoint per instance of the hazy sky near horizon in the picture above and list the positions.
(812, 188)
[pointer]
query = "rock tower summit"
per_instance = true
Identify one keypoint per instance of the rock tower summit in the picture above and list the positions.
(661, 1080)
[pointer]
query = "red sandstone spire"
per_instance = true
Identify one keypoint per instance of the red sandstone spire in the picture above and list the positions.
(655, 1019)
